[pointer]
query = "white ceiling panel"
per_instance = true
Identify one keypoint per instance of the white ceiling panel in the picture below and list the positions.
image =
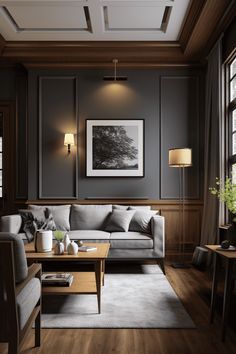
(97, 20)
(43, 16)
(134, 17)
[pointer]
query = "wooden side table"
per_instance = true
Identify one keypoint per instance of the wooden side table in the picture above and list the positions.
(230, 259)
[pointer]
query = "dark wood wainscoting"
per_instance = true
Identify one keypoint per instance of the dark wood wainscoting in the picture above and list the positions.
(168, 208)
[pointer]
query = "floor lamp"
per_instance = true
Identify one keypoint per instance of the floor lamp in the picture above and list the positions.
(181, 158)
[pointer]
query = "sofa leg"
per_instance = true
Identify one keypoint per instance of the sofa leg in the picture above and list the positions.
(162, 266)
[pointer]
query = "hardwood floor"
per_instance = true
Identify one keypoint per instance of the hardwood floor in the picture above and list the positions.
(192, 287)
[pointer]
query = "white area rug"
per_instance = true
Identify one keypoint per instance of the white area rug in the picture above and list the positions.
(144, 300)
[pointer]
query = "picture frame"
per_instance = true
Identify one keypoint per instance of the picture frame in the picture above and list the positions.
(115, 148)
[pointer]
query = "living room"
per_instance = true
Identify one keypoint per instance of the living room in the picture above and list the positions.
(116, 118)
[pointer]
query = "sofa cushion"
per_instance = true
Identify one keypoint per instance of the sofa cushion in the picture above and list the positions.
(89, 235)
(89, 217)
(20, 263)
(131, 240)
(27, 300)
(140, 222)
(33, 220)
(60, 213)
(119, 220)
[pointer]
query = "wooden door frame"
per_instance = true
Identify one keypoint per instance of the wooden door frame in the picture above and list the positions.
(8, 109)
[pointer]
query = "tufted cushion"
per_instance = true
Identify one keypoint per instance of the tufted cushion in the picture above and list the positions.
(21, 269)
(89, 217)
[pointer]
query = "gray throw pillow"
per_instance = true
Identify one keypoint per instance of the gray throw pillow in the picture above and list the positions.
(140, 222)
(119, 220)
(60, 213)
(33, 220)
(89, 217)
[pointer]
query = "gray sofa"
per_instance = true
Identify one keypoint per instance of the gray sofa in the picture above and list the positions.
(144, 239)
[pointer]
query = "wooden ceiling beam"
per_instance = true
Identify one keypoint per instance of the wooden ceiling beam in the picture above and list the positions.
(93, 53)
(203, 32)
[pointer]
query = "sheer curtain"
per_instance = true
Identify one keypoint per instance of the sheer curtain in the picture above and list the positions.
(212, 151)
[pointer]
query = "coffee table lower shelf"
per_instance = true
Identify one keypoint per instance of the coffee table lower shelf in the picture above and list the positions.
(83, 283)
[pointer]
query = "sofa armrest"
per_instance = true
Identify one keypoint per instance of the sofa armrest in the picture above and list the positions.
(11, 223)
(158, 233)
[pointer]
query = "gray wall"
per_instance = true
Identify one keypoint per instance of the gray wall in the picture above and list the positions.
(170, 101)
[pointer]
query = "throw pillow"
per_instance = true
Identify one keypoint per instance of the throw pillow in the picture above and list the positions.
(119, 220)
(35, 220)
(140, 222)
(60, 213)
(89, 217)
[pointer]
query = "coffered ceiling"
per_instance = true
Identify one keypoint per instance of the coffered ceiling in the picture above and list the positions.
(96, 20)
(91, 33)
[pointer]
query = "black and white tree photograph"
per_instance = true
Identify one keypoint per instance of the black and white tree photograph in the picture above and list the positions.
(115, 148)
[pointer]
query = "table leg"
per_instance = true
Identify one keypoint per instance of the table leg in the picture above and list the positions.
(103, 270)
(227, 295)
(214, 286)
(98, 274)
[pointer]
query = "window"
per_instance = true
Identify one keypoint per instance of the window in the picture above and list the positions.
(232, 116)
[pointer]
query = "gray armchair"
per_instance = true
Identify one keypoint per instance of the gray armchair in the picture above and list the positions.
(20, 293)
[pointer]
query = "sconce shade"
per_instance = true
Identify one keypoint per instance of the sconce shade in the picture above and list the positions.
(180, 157)
(69, 139)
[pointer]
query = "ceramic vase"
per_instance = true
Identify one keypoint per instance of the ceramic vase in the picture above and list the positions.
(72, 248)
(59, 248)
(43, 241)
(66, 242)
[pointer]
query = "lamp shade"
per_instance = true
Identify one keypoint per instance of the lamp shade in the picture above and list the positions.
(180, 157)
(69, 139)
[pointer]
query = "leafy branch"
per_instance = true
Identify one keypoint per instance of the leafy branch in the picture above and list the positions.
(226, 192)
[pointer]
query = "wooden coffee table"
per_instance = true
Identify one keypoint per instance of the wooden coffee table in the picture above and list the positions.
(84, 282)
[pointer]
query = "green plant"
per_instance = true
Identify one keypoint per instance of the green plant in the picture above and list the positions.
(59, 235)
(226, 192)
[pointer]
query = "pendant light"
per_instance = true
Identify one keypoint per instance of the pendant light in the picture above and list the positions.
(115, 77)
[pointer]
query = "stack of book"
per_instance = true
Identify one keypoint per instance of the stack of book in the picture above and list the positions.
(57, 279)
(87, 248)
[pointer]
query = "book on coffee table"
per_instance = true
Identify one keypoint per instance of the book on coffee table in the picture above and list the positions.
(57, 279)
(87, 248)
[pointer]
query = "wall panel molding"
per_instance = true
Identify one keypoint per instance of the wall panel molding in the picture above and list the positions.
(64, 164)
(179, 127)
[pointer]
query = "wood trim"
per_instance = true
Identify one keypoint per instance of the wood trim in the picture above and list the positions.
(40, 172)
(95, 54)
(153, 202)
(204, 32)
(190, 22)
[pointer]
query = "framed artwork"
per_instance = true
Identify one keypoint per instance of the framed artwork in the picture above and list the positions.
(115, 148)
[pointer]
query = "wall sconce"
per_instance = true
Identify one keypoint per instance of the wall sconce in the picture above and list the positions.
(69, 141)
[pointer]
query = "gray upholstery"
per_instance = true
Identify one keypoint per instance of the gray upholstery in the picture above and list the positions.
(88, 235)
(89, 217)
(27, 300)
(157, 237)
(130, 240)
(140, 222)
(158, 232)
(21, 269)
(11, 223)
(60, 213)
(119, 220)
